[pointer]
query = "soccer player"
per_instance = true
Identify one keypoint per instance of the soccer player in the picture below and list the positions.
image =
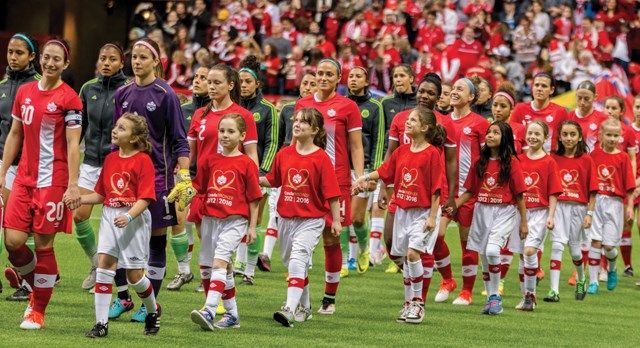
(23, 58)
(344, 145)
(47, 122)
(587, 117)
(404, 94)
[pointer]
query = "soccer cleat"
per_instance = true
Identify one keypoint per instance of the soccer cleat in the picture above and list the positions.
(303, 314)
(415, 313)
(572, 280)
(495, 305)
(580, 290)
(118, 307)
(344, 272)
(179, 280)
(501, 287)
(402, 317)
(628, 272)
(228, 321)
(463, 299)
(90, 281)
(204, 318)
(602, 275)
(247, 280)
(98, 330)
(529, 302)
(29, 309)
(140, 316)
(593, 288)
(486, 308)
(520, 305)
(238, 268)
(446, 287)
(552, 296)
(33, 321)
(220, 310)
(22, 294)
(392, 268)
(352, 264)
(152, 321)
(199, 288)
(612, 280)
(328, 306)
(264, 263)
(13, 277)
(285, 317)
(363, 262)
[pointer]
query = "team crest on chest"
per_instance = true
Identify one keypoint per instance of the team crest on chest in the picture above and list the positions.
(331, 113)
(256, 116)
(569, 177)
(297, 178)
(151, 106)
(52, 107)
(364, 113)
(125, 104)
(549, 119)
(466, 130)
(593, 126)
(409, 177)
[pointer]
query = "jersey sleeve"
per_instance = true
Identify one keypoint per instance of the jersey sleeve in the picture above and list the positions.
(394, 130)
(274, 176)
(252, 186)
(388, 169)
(252, 130)
(73, 111)
(192, 134)
(99, 188)
(482, 127)
(516, 115)
(271, 142)
(516, 184)
(436, 172)
(328, 180)
(554, 185)
(377, 145)
(631, 143)
(447, 123)
(175, 126)
(593, 175)
(354, 121)
(146, 179)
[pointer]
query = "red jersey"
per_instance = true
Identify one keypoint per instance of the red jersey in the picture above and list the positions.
(578, 177)
(45, 116)
(125, 180)
(232, 183)
(306, 183)
(416, 176)
(489, 190)
(341, 117)
(430, 36)
(347, 65)
(614, 173)
(552, 115)
(590, 125)
(399, 30)
(542, 180)
(467, 52)
(636, 132)
(469, 132)
(519, 140)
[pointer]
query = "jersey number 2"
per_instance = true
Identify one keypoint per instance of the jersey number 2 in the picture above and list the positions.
(56, 211)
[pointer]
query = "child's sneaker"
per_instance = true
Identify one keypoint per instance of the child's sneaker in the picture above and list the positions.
(303, 314)
(464, 298)
(446, 287)
(204, 318)
(581, 290)
(118, 307)
(402, 318)
(612, 280)
(285, 317)
(495, 304)
(140, 316)
(33, 321)
(552, 296)
(415, 313)
(593, 288)
(152, 322)
(228, 321)
(99, 330)
(529, 302)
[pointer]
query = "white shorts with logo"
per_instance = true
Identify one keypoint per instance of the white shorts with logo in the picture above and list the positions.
(568, 223)
(608, 220)
(408, 231)
(537, 224)
(130, 245)
(11, 176)
(220, 238)
(89, 176)
(491, 223)
(298, 238)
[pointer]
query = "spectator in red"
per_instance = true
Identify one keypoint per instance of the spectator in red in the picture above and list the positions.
(484, 70)
(591, 39)
(385, 49)
(477, 5)
(429, 33)
(612, 16)
(564, 25)
(380, 76)
(348, 59)
(293, 71)
(481, 26)
(374, 15)
(427, 62)
(466, 49)
(497, 37)
(241, 20)
(272, 65)
(327, 47)
(333, 23)
(391, 26)
(289, 32)
(359, 33)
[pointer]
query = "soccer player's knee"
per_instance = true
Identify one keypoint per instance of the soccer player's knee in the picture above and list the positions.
(493, 250)
(80, 216)
(134, 275)
(557, 246)
(575, 251)
(530, 251)
(357, 221)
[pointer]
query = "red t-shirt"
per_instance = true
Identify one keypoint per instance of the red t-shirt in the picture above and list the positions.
(590, 125)
(489, 190)
(519, 140)
(636, 132)
(125, 180)
(341, 117)
(232, 183)
(552, 115)
(468, 53)
(429, 36)
(469, 132)
(614, 173)
(542, 180)
(578, 177)
(416, 176)
(306, 183)
(45, 116)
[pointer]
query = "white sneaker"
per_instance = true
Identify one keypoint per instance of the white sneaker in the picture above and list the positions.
(303, 314)
(602, 275)
(415, 313)
(402, 317)
(442, 295)
(521, 304)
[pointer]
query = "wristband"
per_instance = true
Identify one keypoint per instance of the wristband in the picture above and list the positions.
(367, 177)
(590, 213)
(128, 216)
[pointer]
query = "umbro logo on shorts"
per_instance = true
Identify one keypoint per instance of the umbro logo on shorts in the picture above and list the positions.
(152, 272)
(168, 217)
(135, 258)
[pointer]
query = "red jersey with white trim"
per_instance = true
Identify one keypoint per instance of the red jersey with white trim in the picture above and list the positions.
(636, 132)
(519, 139)
(542, 180)
(552, 115)
(590, 125)
(578, 177)
(232, 183)
(489, 190)
(306, 183)
(467, 52)
(341, 117)
(125, 180)
(614, 173)
(45, 116)
(470, 133)
(416, 176)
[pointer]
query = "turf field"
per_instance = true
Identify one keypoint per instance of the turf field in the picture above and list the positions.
(367, 306)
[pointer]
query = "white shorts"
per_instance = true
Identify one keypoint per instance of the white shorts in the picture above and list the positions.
(11, 176)
(491, 223)
(537, 224)
(608, 220)
(568, 223)
(273, 202)
(130, 245)
(408, 231)
(373, 198)
(220, 238)
(89, 176)
(298, 238)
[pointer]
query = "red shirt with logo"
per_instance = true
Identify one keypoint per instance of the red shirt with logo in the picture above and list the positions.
(125, 180)
(489, 190)
(470, 132)
(614, 173)
(552, 115)
(590, 125)
(577, 176)
(542, 180)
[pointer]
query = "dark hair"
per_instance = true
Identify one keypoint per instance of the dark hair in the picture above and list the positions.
(476, 80)
(581, 146)
(433, 79)
(437, 134)
(251, 62)
(231, 76)
(407, 67)
(240, 122)
(620, 102)
(505, 153)
(546, 75)
(274, 50)
(314, 118)
(486, 83)
(140, 130)
(158, 70)
(32, 47)
(118, 48)
(62, 43)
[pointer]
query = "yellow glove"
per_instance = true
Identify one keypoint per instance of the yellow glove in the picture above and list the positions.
(185, 197)
(183, 192)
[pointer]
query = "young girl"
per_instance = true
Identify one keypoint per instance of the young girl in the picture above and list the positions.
(543, 187)
(418, 201)
(615, 184)
(497, 181)
(125, 187)
(575, 205)
(230, 203)
(307, 180)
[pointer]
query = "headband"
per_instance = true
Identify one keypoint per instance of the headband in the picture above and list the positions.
(253, 73)
(148, 45)
(588, 85)
(26, 39)
(366, 73)
(117, 49)
(58, 42)
(329, 60)
(506, 95)
(544, 74)
(470, 83)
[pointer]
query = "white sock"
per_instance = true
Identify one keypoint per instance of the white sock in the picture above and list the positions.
(530, 271)
(216, 289)
(416, 272)
(241, 252)
(576, 255)
(295, 287)
(594, 264)
(144, 289)
(229, 302)
(270, 238)
(353, 243)
(493, 260)
(408, 292)
(485, 274)
(375, 237)
(556, 263)
(252, 261)
(612, 256)
(102, 297)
